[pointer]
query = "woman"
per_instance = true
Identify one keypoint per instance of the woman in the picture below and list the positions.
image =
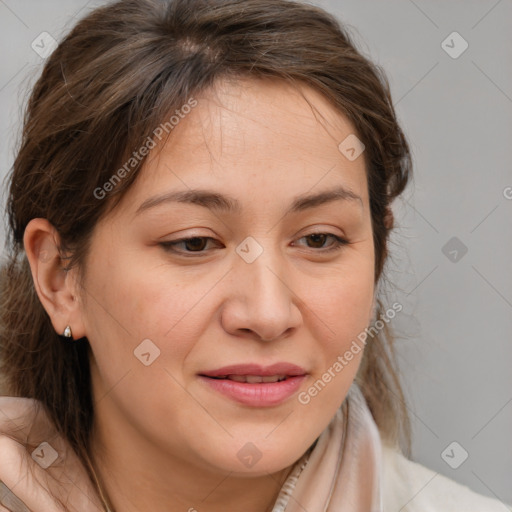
(203, 193)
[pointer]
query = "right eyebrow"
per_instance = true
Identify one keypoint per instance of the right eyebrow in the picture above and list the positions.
(216, 201)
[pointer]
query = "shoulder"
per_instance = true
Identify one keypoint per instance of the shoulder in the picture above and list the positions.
(18, 414)
(38, 463)
(411, 487)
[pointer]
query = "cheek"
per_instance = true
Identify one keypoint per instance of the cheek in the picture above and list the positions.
(140, 304)
(342, 311)
(161, 305)
(343, 305)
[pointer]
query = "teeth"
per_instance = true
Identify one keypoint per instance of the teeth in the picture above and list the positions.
(237, 378)
(273, 378)
(253, 379)
(256, 379)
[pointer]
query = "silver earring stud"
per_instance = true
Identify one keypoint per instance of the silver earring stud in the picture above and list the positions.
(67, 332)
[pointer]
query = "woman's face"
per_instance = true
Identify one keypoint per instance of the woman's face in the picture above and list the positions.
(262, 288)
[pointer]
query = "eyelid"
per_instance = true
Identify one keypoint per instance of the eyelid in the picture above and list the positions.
(338, 244)
(169, 244)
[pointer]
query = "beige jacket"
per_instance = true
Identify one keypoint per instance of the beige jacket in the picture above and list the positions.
(406, 485)
(410, 487)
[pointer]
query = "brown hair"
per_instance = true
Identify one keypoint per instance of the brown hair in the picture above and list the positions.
(102, 93)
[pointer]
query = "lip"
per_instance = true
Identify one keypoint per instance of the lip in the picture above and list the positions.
(255, 369)
(265, 394)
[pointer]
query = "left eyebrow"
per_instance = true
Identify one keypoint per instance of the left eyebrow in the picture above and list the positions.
(215, 201)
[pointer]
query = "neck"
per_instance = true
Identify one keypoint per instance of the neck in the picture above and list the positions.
(144, 478)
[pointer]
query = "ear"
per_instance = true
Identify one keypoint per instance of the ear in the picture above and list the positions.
(56, 287)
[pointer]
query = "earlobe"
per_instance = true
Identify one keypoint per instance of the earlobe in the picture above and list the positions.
(53, 283)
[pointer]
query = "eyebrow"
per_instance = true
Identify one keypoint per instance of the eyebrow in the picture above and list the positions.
(215, 201)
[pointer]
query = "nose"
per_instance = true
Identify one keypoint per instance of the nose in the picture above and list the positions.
(261, 302)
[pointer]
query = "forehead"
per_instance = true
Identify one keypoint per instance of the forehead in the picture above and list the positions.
(270, 117)
(258, 136)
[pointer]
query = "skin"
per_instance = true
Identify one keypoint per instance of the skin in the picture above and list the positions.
(163, 440)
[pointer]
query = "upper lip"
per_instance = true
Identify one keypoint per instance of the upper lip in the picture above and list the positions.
(255, 369)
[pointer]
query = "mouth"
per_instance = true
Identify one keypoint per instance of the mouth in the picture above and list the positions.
(256, 386)
(252, 379)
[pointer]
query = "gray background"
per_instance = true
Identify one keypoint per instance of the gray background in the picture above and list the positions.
(455, 343)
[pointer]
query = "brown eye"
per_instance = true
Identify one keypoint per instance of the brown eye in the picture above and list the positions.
(317, 240)
(324, 242)
(196, 244)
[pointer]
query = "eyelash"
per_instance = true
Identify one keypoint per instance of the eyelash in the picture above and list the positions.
(338, 244)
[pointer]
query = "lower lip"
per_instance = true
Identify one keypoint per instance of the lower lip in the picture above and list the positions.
(264, 394)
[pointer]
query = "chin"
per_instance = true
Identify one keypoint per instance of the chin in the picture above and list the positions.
(245, 458)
